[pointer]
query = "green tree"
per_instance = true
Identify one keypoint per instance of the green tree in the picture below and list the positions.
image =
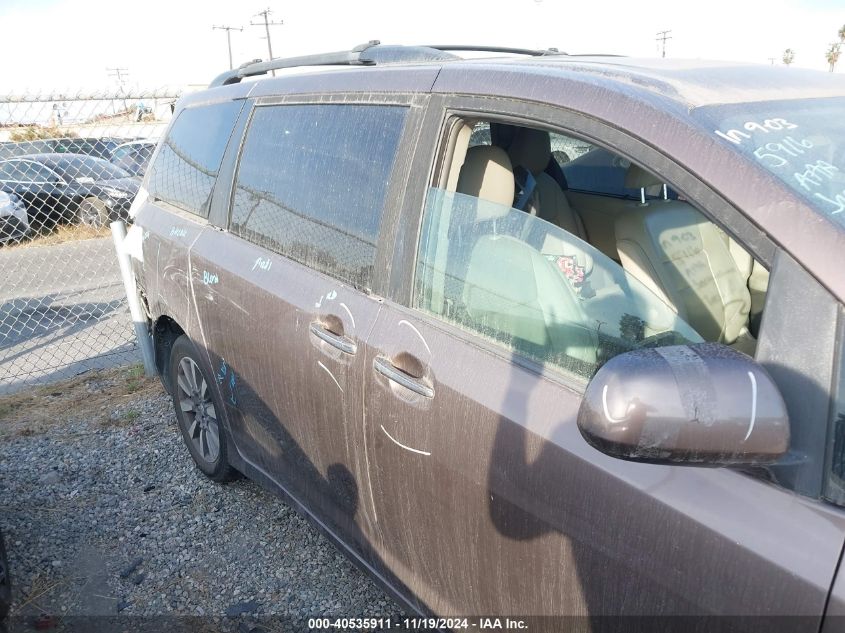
(788, 56)
(833, 54)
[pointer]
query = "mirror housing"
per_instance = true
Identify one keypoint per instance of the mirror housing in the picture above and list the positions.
(704, 404)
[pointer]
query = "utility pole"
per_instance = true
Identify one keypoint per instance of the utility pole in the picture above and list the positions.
(267, 24)
(772, 61)
(662, 36)
(120, 74)
(229, 30)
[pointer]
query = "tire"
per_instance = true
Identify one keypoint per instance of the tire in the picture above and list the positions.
(92, 212)
(5, 582)
(199, 411)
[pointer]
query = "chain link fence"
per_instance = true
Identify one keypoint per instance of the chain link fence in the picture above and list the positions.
(69, 165)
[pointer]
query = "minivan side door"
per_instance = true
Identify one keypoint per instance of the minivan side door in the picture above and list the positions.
(285, 297)
(488, 498)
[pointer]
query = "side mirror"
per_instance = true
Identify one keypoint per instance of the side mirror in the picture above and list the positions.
(685, 404)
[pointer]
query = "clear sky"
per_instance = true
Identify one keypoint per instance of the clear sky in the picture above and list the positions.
(67, 44)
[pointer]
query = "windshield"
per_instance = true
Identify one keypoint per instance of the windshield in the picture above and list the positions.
(90, 170)
(801, 142)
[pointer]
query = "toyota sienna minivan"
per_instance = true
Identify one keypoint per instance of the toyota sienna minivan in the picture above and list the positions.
(532, 335)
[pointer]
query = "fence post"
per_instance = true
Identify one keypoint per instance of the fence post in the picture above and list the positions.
(139, 320)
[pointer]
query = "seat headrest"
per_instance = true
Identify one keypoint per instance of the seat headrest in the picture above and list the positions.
(531, 149)
(487, 174)
(638, 178)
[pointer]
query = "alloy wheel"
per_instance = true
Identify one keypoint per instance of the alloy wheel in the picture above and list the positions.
(198, 410)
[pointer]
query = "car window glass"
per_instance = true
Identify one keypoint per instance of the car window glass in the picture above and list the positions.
(480, 134)
(598, 171)
(90, 169)
(25, 171)
(15, 171)
(533, 287)
(567, 148)
(312, 182)
(186, 167)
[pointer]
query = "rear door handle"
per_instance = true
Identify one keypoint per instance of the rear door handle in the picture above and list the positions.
(391, 372)
(342, 343)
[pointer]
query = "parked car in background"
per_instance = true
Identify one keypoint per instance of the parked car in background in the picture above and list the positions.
(14, 222)
(68, 188)
(10, 149)
(99, 147)
(5, 582)
(133, 156)
(609, 386)
(91, 146)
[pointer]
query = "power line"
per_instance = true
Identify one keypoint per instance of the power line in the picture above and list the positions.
(229, 30)
(267, 24)
(119, 74)
(662, 36)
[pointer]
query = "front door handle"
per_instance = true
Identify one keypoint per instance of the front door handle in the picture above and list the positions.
(342, 343)
(391, 372)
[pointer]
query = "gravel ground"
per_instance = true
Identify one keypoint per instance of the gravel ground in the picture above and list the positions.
(104, 514)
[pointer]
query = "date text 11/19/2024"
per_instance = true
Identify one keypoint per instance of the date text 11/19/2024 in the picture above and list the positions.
(417, 624)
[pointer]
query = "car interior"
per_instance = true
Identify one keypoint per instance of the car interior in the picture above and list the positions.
(617, 216)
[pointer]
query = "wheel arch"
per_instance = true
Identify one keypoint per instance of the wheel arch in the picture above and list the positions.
(165, 332)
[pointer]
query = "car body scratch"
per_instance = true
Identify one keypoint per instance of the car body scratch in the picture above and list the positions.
(349, 312)
(609, 417)
(329, 372)
(753, 405)
(401, 445)
(411, 325)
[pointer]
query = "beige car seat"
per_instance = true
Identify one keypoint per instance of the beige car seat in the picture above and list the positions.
(686, 260)
(531, 149)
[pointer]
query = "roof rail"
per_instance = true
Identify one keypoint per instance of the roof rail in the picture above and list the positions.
(258, 67)
(368, 54)
(497, 49)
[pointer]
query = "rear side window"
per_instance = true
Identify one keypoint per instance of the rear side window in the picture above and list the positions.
(312, 182)
(600, 172)
(186, 166)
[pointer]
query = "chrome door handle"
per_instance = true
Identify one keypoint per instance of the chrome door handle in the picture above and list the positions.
(391, 372)
(342, 343)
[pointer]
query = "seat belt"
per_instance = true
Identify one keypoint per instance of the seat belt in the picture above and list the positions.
(526, 182)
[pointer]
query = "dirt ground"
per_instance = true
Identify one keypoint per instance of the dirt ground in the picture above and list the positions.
(111, 527)
(85, 397)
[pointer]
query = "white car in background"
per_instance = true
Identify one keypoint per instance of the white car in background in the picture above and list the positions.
(14, 223)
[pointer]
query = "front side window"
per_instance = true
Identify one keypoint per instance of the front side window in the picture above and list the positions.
(312, 183)
(533, 287)
(186, 166)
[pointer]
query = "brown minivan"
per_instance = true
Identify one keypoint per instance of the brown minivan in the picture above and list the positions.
(538, 335)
